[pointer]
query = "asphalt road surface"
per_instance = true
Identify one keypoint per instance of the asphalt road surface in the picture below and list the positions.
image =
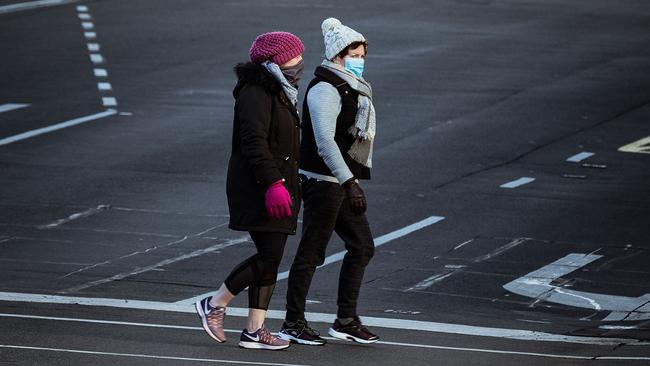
(510, 200)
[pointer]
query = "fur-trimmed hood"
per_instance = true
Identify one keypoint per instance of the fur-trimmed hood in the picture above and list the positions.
(251, 73)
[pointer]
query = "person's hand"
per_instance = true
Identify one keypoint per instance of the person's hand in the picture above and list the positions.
(278, 201)
(356, 196)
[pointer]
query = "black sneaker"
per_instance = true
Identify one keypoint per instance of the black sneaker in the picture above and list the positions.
(353, 331)
(300, 332)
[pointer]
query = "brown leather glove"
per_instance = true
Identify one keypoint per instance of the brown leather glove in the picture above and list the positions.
(356, 196)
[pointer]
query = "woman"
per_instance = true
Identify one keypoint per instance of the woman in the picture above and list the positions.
(338, 130)
(262, 183)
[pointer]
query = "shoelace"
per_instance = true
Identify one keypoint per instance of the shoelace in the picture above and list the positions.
(265, 335)
(307, 329)
(216, 317)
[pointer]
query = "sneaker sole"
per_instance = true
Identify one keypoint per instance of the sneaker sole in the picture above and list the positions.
(204, 322)
(257, 345)
(347, 337)
(290, 338)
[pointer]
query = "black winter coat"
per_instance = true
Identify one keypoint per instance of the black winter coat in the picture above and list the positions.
(265, 149)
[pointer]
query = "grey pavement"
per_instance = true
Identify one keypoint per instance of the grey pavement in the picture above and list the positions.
(115, 219)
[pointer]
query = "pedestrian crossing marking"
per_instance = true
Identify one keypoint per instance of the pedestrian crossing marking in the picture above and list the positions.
(641, 146)
(11, 106)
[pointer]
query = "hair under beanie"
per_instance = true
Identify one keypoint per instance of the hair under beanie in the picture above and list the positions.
(337, 36)
(278, 47)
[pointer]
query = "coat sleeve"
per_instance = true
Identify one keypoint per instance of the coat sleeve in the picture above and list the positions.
(254, 108)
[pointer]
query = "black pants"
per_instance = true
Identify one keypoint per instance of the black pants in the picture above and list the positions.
(327, 210)
(260, 271)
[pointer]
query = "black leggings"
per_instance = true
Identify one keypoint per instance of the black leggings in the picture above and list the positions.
(260, 271)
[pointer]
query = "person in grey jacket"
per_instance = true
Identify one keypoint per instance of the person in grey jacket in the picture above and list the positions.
(338, 130)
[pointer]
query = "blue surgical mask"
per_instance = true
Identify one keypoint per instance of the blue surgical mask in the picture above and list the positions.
(354, 65)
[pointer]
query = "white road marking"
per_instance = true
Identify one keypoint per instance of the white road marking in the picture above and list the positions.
(12, 106)
(580, 157)
(453, 269)
(391, 323)
(641, 146)
(93, 47)
(100, 73)
(537, 284)
(82, 8)
(84, 16)
(96, 58)
(337, 257)
(87, 25)
(56, 127)
(109, 101)
(398, 344)
(162, 263)
(136, 355)
(79, 215)
(90, 35)
(517, 183)
(29, 5)
(104, 86)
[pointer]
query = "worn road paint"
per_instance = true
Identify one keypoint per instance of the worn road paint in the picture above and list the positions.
(537, 285)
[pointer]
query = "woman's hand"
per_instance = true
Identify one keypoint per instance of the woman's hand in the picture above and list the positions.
(278, 201)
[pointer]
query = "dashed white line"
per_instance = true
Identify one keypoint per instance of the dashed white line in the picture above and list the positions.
(84, 16)
(109, 101)
(58, 126)
(96, 58)
(580, 157)
(100, 73)
(12, 106)
(82, 8)
(88, 25)
(90, 35)
(517, 183)
(93, 47)
(104, 86)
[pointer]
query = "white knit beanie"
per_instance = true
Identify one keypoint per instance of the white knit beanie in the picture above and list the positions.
(337, 37)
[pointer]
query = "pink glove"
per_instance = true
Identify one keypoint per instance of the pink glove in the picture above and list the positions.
(278, 202)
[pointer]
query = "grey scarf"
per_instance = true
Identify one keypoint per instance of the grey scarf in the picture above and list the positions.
(365, 123)
(289, 90)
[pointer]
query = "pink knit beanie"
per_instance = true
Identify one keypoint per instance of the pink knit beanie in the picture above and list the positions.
(278, 47)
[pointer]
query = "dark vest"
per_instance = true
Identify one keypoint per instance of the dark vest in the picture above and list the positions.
(309, 158)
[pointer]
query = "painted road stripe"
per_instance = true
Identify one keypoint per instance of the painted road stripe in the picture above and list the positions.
(76, 216)
(580, 157)
(397, 344)
(93, 47)
(109, 101)
(96, 58)
(87, 25)
(82, 8)
(337, 257)
(29, 5)
(104, 86)
(641, 146)
(391, 323)
(136, 355)
(100, 73)
(56, 127)
(90, 35)
(84, 16)
(517, 183)
(12, 106)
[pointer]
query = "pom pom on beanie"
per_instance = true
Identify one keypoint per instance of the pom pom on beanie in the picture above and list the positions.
(338, 36)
